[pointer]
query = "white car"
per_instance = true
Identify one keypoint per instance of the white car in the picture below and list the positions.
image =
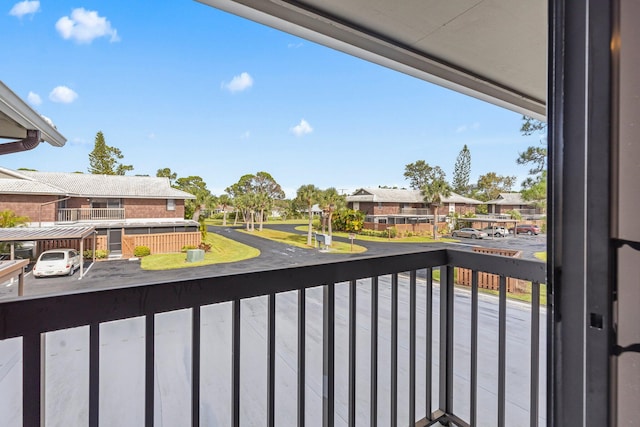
(57, 262)
(496, 231)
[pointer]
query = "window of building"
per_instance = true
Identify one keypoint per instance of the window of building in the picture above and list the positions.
(106, 203)
(171, 204)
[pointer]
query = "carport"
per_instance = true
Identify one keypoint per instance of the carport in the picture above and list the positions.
(27, 234)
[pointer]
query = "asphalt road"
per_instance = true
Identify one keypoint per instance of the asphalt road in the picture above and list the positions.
(116, 273)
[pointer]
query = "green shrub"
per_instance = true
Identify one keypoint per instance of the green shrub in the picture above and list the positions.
(185, 248)
(141, 251)
(348, 220)
(391, 232)
(100, 254)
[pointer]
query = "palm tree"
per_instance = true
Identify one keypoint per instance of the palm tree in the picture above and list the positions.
(225, 201)
(433, 192)
(8, 218)
(332, 202)
(308, 195)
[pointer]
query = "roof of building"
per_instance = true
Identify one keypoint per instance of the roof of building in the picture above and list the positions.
(88, 185)
(508, 199)
(395, 195)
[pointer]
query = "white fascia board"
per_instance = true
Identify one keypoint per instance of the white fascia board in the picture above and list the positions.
(12, 106)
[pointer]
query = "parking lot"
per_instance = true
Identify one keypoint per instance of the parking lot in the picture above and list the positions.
(104, 274)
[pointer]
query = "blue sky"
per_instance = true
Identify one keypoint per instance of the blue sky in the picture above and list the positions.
(182, 85)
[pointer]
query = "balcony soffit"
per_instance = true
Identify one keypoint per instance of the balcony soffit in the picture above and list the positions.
(494, 50)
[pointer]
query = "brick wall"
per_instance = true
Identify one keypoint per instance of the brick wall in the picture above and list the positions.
(152, 208)
(387, 209)
(30, 206)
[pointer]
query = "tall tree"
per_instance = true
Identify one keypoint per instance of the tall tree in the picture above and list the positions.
(535, 157)
(166, 173)
(194, 185)
(224, 201)
(433, 193)
(238, 191)
(536, 191)
(331, 201)
(490, 185)
(420, 173)
(266, 190)
(104, 160)
(462, 171)
(432, 183)
(307, 196)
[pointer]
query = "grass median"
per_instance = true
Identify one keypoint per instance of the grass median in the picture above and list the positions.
(412, 239)
(223, 250)
(300, 240)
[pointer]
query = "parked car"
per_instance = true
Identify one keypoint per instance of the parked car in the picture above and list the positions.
(529, 229)
(57, 262)
(496, 231)
(469, 232)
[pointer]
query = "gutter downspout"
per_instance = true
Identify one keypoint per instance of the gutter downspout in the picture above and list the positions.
(29, 143)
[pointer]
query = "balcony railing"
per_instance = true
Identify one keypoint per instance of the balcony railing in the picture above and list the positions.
(90, 214)
(372, 340)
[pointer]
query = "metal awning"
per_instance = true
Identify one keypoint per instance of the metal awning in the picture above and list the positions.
(494, 50)
(27, 234)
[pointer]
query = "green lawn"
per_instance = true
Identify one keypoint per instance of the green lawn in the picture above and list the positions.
(222, 250)
(217, 222)
(300, 240)
(541, 255)
(412, 239)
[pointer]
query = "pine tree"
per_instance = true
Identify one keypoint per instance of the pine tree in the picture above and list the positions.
(103, 160)
(461, 172)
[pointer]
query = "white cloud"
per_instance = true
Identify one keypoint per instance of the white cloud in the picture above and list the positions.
(245, 135)
(239, 83)
(23, 8)
(302, 128)
(34, 98)
(151, 135)
(295, 45)
(63, 95)
(85, 25)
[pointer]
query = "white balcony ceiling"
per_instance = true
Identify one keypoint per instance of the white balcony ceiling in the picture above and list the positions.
(495, 50)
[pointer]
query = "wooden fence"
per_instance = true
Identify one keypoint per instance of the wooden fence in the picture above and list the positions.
(159, 243)
(45, 245)
(492, 281)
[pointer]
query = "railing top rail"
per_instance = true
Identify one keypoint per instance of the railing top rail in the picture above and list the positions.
(32, 315)
(507, 266)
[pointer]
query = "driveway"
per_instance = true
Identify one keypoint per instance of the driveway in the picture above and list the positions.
(105, 274)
